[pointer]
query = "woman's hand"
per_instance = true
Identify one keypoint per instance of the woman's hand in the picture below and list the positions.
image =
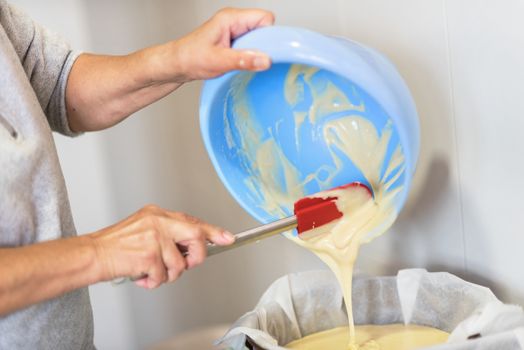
(103, 90)
(206, 52)
(150, 243)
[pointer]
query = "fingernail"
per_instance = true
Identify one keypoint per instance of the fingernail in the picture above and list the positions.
(228, 236)
(261, 62)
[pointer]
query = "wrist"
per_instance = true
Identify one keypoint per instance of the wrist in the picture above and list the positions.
(99, 266)
(162, 64)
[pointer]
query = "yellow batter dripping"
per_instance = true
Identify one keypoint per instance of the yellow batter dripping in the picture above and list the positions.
(373, 337)
(354, 136)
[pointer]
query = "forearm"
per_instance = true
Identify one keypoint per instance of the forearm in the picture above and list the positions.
(43, 271)
(103, 90)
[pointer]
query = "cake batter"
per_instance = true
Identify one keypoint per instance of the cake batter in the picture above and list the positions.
(276, 183)
(373, 337)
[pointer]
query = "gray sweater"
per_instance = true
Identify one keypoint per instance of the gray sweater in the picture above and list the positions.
(34, 66)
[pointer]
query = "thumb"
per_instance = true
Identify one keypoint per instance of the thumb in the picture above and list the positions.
(231, 59)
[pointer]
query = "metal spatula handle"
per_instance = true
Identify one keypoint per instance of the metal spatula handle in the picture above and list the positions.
(255, 234)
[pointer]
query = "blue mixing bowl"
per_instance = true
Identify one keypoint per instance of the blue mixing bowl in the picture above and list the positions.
(267, 141)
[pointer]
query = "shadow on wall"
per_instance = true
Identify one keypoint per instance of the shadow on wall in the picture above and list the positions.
(424, 202)
(422, 210)
(429, 229)
(413, 241)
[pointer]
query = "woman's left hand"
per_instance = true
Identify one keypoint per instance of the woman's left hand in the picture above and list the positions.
(206, 52)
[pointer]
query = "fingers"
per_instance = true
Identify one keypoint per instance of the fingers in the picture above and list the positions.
(173, 260)
(187, 234)
(156, 270)
(166, 265)
(206, 52)
(241, 21)
(196, 252)
(193, 235)
(147, 243)
(191, 228)
(230, 59)
(217, 235)
(252, 60)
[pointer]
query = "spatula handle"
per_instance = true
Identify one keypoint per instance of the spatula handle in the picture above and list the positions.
(255, 234)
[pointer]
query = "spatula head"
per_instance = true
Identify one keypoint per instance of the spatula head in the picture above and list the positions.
(312, 212)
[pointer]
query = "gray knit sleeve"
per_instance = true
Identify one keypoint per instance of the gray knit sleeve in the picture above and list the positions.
(46, 59)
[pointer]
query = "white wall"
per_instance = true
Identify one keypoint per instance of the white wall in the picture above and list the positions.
(464, 62)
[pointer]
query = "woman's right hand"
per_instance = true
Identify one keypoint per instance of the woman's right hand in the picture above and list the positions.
(149, 243)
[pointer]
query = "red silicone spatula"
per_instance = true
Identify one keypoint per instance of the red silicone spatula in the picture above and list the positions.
(309, 214)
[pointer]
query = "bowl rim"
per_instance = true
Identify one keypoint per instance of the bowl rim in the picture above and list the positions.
(294, 45)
